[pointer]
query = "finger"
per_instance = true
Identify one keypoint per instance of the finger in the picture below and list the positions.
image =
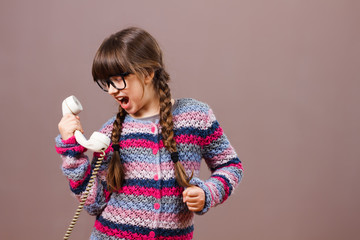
(79, 127)
(185, 194)
(193, 193)
(76, 122)
(192, 200)
(194, 209)
(70, 119)
(196, 204)
(69, 116)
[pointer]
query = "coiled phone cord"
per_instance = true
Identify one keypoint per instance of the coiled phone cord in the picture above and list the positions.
(85, 194)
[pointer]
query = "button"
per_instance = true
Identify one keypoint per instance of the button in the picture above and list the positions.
(156, 206)
(152, 234)
(153, 129)
(156, 177)
(155, 150)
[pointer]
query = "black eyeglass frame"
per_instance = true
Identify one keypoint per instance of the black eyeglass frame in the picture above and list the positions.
(108, 81)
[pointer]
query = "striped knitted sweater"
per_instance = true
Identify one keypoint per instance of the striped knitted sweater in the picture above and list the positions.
(149, 205)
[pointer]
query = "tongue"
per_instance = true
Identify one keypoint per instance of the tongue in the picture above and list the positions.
(125, 103)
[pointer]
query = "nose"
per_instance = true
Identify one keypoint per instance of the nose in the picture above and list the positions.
(112, 90)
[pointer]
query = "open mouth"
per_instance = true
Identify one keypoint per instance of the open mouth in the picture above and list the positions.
(124, 102)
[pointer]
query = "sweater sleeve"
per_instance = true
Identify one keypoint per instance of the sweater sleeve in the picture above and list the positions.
(78, 169)
(223, 162)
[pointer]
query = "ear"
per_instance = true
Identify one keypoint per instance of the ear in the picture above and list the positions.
(149, 78)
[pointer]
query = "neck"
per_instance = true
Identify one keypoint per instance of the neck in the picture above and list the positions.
(151, 109)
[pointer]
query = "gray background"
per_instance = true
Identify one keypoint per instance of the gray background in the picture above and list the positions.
(282, 77)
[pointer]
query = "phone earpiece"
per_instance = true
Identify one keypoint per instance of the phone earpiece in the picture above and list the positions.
(71, 105)
(98, 141)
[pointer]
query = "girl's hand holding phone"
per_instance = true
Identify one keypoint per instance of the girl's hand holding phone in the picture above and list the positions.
(194, 198)
(68, 124)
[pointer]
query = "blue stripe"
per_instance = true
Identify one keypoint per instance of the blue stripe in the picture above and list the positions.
(237, 172)
(227, 182)
(75, 174)
(197, 132)
(186, 105)
(71, 153)
(232, 161)
(145, 206)
(128, 155)
(151, 183)
(145, 230)
(177, 132)
(221, 144)
(82, 187)
(141, 136)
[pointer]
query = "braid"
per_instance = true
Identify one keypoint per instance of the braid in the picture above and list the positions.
(167, 125)
(116, 174)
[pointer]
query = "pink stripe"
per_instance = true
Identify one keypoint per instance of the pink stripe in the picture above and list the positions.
(226, 187)
(228, 175)
(194, 116)
(107, 195)
(92, 195)
(70, 162)
(209, 139)
(135, 214)
(219, 157)
(132, 213)
(138, 143)
(140, 166)
(184, 237)
(212, 195)
(136, 125)
(136, 190)
(216, 199)
(129, 235)
(71, 140)
(75, 184)
(237, 165)
(79, 149)
(118, 233)
(107, 129)
(189, 139)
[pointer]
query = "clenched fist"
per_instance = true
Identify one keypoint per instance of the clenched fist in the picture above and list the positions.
(194, 198)
(68, 124)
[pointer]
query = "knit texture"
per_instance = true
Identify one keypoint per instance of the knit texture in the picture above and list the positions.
(149, 205)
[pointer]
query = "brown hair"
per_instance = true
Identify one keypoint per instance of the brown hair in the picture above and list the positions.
(134, 50)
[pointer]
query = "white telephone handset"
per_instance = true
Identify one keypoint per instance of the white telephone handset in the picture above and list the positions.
(97, 141)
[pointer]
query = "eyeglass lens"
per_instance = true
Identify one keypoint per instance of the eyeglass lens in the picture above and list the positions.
(116, 81)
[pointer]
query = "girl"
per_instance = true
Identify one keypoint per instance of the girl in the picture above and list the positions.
(147, 186)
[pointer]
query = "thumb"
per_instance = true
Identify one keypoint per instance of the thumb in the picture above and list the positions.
(185, 192)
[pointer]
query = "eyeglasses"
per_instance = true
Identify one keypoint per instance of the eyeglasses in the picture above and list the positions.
(117, 81)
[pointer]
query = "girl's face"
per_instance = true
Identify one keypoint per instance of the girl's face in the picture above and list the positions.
(139, 98)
